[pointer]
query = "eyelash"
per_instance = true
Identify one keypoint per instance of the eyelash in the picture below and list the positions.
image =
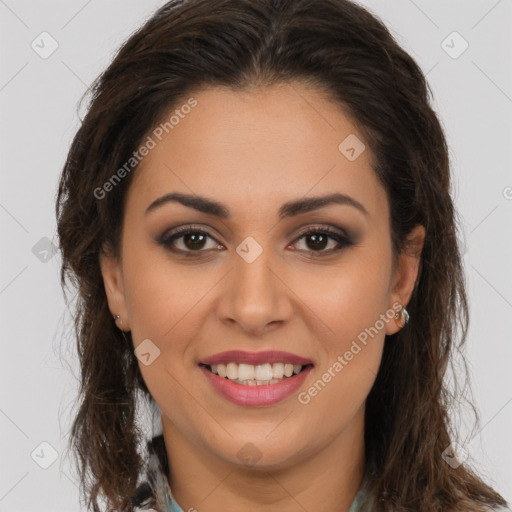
(168, 239)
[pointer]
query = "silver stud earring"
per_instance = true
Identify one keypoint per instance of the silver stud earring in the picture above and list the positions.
(116, 318)
(403, 314)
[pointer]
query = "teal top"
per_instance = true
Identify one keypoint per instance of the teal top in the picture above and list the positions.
(157, 490)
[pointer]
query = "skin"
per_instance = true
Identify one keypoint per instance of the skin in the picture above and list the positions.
(253, 151)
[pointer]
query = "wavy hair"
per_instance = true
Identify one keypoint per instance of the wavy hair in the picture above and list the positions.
(345, 51)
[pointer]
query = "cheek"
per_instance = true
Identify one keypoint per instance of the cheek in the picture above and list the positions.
(349, 302)
(160, 295)
(351, 346)
(349, 297)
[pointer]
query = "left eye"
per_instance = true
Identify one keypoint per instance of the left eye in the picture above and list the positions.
(193, 240)
(318, 239)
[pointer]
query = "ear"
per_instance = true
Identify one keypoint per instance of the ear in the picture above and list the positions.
(114, 286)
(406, 274)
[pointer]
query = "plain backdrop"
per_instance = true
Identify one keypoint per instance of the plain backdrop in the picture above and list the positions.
(464, 47)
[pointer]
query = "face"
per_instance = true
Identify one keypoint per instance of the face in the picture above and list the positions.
(261, 269)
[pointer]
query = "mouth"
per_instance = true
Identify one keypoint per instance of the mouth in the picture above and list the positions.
(256, 375)
(256, 379)
(256, 368)
(258, 385)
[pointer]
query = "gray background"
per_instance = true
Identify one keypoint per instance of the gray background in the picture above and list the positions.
(38, 105)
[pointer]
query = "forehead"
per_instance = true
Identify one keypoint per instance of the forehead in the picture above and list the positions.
(255, 147)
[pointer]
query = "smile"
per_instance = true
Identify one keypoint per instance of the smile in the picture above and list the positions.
(255, 378)
(256, 375)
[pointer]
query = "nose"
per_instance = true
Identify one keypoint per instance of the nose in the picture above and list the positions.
(255, 297)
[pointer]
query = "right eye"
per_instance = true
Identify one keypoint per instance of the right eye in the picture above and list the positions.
(191, 239)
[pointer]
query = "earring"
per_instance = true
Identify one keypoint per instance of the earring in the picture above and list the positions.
(116, 318)
(403, 314)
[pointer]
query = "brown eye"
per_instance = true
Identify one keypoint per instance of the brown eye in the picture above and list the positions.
(187, 240)
(194, 241)
(317, 240)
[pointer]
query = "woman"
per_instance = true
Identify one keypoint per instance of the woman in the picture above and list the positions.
(257, 213)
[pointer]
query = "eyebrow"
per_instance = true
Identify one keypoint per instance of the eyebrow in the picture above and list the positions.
(289, 209)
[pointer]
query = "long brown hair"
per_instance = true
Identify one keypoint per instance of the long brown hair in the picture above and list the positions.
(343, 50)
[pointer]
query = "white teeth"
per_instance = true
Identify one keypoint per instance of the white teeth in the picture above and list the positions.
(256, 375)
(257, 382)
(221, 370)
(278, 370)
(264, 372)
(232, 371)
(245, 371)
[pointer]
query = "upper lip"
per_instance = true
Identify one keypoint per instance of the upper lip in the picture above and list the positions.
(255, 358)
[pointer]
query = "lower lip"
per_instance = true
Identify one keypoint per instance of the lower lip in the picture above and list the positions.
(255, 396)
